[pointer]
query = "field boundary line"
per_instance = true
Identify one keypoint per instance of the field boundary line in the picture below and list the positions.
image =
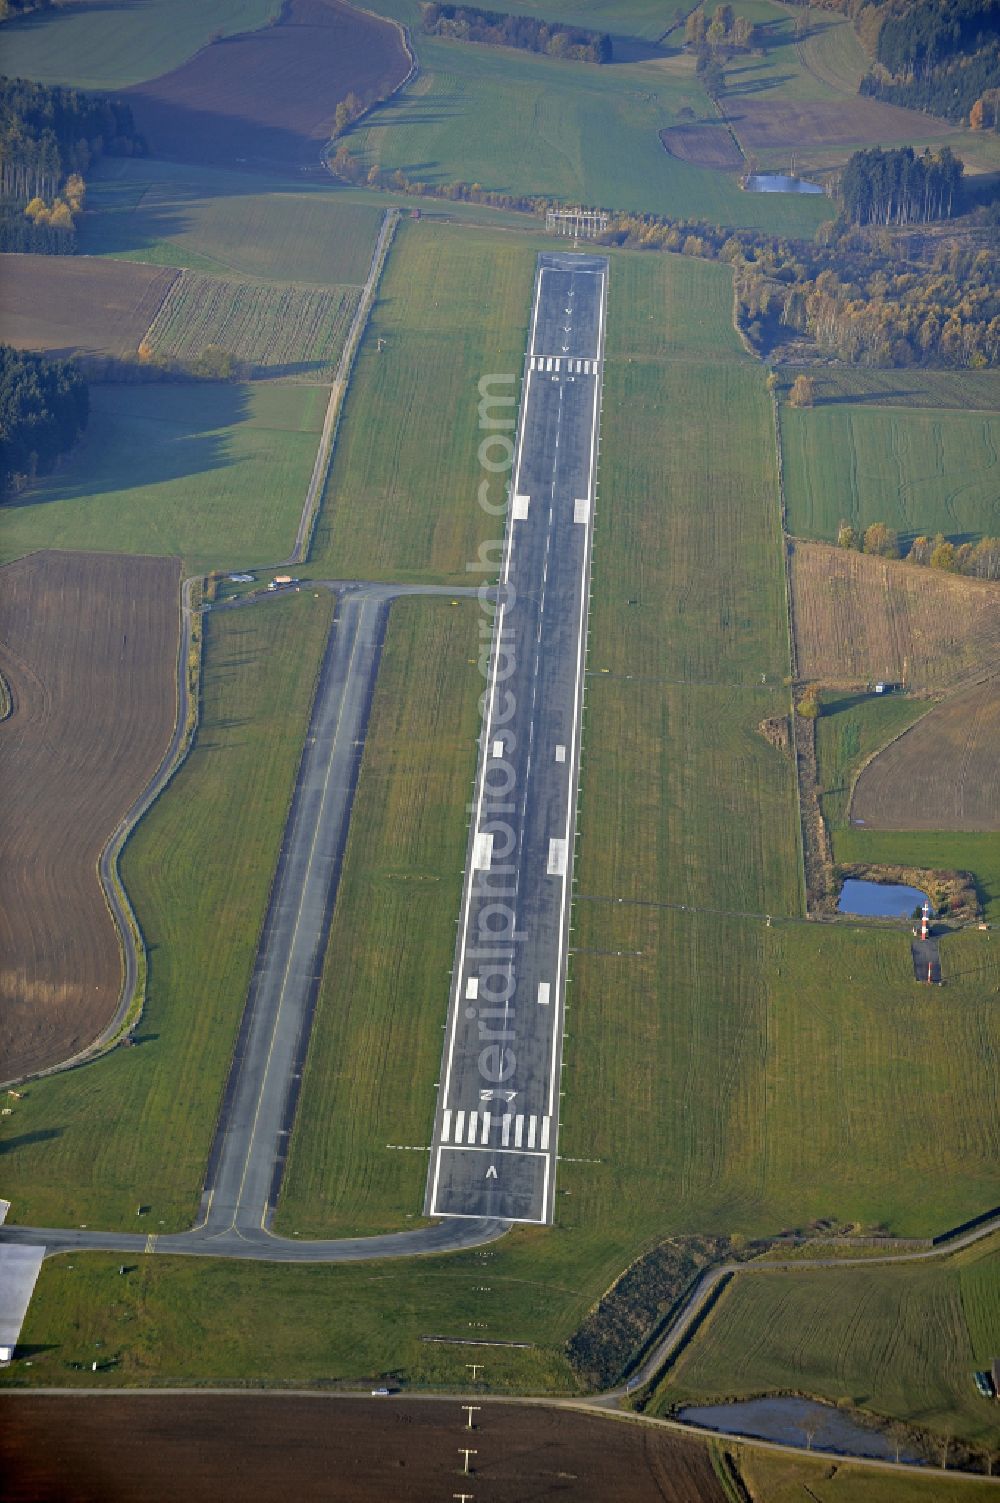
(792, 652)
(132, 996)
(411, 52)
(175, 286)
(711, 1284)
(575, 1403)
(338, 390)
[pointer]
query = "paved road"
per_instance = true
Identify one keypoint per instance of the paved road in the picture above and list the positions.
(496, 1125)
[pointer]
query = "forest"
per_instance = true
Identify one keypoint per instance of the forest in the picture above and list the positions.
(936, 55)
(495, 28)
(898, 187)
(44, 406)
(48, 138)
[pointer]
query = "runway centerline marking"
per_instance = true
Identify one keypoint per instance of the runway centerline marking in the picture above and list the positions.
(518, 949)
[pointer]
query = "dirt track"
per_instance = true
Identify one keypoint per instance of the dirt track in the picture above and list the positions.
(88, 645)
(201, 1448)
(267, 98)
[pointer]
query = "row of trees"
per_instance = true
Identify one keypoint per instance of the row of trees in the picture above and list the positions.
(977, 560)
(468, 23)
(898, 187)
(44, 406)
(725, 31)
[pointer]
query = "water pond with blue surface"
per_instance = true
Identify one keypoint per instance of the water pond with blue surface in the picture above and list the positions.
(778, 182)
(796, 1422)
(879, 899)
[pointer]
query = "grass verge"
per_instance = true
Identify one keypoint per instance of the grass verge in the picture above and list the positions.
(401, 501)
(376, 1043)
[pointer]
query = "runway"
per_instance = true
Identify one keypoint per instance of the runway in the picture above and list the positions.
(495, 1141)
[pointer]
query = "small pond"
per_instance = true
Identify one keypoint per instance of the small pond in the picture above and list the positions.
(777, 182)
(879, 899)
(792, 1421)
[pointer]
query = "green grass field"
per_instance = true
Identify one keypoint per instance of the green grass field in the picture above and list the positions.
(401, 502)
(520, 123)
(375, 1051)
(279, 331)
(902, 1342)
(110, 47)
(229, 224)
(968, 391)
(214, 473)
(721, 1075)
(851, 729)
(789, 1479)
(136, 1126)
(919, 470)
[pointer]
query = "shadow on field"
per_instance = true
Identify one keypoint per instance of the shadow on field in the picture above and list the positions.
(290, 368)
(143, 435)
(871, 398)
(735, 88)
(29, 1139)
(209, 138)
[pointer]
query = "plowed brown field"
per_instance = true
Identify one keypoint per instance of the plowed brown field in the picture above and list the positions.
(942, 774)
(267, 98)
(88, 646)
(859, 618)
(200, 1447)
(797, 125)
(66, 304)
(702, 145)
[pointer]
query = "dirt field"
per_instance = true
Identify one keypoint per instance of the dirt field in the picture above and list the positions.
(111, 1449)
(859, 618)
(68, 303)
(267, 98)
(88, 645)
(942, 774)
(798, 125)
(702, 145)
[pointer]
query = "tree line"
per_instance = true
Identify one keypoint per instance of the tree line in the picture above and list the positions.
(11, 10)
(48, 138)
(898, 187)
(44, 406)
(855, 291)
(495, 28)
(936, 55)
(975, 560)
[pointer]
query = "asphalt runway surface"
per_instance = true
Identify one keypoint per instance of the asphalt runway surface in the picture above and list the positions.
(496, 1126)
